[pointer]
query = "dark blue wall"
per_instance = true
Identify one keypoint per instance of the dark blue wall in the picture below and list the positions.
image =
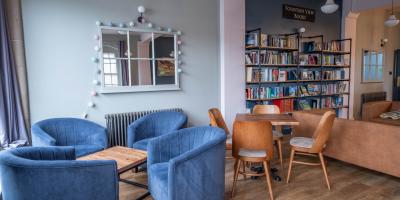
(267, 14)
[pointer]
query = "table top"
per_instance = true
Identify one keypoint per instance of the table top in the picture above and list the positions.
(275, 119)
(126, 158)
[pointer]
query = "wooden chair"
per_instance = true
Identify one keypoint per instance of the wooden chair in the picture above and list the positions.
(277, 133)
(313, 146)
(216, 119)
(253, 143)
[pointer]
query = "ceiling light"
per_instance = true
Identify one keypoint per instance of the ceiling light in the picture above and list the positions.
(329, 7)
(392, 20)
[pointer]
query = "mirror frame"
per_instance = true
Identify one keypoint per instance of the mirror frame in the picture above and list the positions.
(140, 88)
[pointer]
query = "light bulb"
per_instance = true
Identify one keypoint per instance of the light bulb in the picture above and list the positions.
(141, 9)
(329, 7)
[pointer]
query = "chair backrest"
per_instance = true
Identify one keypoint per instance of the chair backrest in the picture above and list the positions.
(253, 135)
(159, 123)
(216, 119)
(69, 131)
(266, 109)
(322, 132)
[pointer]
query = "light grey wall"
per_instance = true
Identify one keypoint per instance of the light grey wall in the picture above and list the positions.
(59, 44)
(268, 16)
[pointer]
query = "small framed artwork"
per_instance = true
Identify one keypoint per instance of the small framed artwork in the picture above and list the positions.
(165, 68)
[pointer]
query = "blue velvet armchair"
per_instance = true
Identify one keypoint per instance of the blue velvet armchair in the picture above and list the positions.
(46, 173)
(85, 136)
(187, 164)
(154, 125)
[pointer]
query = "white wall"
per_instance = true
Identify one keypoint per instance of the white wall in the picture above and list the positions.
(59, 44)
(232, 29)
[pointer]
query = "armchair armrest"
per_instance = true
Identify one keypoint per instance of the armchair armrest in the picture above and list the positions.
(372, 110)
(203, 168)
(134, 133)
(41, 138)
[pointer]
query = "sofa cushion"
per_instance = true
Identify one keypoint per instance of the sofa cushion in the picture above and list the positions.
(391, 115)
(158, 177)
(83, 150)
(141, 144)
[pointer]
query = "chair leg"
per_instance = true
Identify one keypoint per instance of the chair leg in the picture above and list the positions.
(268, 177)
(235, 177)
(281, 157)
(321, 157)
(290, 165)
(244, 169)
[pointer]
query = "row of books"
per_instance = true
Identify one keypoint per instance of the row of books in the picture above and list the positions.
(251, 58)
(274, 57)
(311, 46)
(335, 88)
(332, 102)
(270, 92)
(253, 39)
(332, 60)
(310, 59)
(290, 105)
(269, 74)
(309, 90)
(278, 41)
(333, 74)
(334, 46)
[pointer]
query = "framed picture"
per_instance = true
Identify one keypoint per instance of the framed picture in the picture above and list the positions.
(165, 68)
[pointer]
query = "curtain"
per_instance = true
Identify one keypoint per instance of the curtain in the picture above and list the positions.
(12, 126)
(124, 63)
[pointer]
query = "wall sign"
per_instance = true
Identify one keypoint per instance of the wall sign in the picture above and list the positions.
(298, 13)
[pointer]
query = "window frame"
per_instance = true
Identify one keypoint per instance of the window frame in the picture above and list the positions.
(377, 66)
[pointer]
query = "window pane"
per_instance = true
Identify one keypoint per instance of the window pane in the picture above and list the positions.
(365, 73)
(107, 68)
(164, 46)
(366, 58)
(107, 80)
(373, 58)
(140, 44)
(115, 43)
(380, 72)
(380, 58)
(372, 73)
(114, 79)
(114, 68)
(141, 72)
(165, 72)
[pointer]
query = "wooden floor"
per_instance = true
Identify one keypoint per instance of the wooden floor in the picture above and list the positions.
(347, 181)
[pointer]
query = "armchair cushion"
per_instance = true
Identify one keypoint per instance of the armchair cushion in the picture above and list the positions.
(154, 125)
(141, 144)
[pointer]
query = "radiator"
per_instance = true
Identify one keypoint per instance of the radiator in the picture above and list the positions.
(117, 124)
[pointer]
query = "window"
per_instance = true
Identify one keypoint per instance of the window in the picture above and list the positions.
(372, 71)
(110, 70)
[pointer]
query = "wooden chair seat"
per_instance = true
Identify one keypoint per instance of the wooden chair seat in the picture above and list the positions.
(301, 142)
(252, 153)
(277, 134)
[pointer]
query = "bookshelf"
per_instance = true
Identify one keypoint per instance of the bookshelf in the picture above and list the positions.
(297, 72)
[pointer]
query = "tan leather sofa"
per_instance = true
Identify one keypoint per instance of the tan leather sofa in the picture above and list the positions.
(367, 144)
(372, 110)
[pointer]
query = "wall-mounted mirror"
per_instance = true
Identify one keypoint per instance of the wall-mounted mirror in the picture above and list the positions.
(134, 60)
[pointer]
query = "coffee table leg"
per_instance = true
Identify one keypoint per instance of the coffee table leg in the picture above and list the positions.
(143, 196)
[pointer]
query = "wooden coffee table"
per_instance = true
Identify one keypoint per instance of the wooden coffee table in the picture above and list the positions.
(126, 158)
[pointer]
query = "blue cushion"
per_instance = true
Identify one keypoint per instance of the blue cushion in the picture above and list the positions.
(141, 144)
(159, 180)
(83, 150)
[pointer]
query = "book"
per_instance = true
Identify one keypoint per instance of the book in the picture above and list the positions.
(282, 75)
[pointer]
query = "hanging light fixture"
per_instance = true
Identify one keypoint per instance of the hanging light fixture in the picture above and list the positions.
(329, 7)
(392, 20)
